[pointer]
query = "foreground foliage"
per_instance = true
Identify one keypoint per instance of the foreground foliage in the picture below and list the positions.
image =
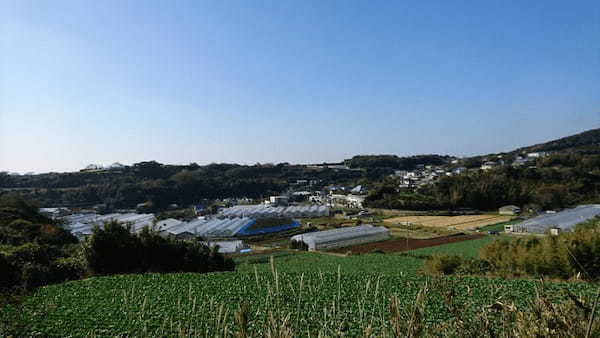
(278, 304)
(114, 249)
(568, 255)
(34, 250)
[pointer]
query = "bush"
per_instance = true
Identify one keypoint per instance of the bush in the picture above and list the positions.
(35, 275)
(565, 256)
(115, 250)
(9, 275)
(443, 264)
(299, 245)
(112, 250)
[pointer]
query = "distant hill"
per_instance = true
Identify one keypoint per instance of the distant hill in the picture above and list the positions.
(586, 142)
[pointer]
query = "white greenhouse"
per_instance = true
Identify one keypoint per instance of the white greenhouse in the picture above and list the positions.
(228, 246)
(81, 225)
(565, 220)
(213, 227)
(342, 237)
(266, 211)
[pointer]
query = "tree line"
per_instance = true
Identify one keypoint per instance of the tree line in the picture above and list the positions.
(557, 181)
(162, 185)
(569, 255)
(36, 251)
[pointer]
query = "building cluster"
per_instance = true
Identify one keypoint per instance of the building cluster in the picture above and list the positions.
(521, 160)
(99, 167)
(338, 196)
(337, 166)
(424, 175)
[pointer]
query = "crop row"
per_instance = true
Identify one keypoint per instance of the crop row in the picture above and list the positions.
(329, 303)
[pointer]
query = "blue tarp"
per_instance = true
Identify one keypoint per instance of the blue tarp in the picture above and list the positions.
(246, 231)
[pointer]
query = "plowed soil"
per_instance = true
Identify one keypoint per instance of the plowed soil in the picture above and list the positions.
(401, 244)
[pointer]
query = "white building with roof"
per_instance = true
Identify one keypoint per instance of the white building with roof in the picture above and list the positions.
(342, 237)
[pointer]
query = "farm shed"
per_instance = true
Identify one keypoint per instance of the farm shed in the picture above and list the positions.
(339, 238)
(509, 210)
(565, 220)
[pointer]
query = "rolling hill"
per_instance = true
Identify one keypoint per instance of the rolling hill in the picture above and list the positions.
(586, 142)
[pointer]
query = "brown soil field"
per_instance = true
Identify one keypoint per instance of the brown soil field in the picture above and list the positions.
(468, 222)
(401, 244)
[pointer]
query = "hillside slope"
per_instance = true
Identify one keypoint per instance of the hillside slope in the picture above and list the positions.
(585, 142)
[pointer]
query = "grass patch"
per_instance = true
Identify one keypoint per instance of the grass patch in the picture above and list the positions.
(499, 227)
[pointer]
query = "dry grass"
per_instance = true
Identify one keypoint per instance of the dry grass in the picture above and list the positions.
(468, 222)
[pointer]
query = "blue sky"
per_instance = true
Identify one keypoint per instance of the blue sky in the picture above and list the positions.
(289, 81)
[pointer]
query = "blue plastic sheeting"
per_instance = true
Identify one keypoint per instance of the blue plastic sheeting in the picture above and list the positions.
(246, 231)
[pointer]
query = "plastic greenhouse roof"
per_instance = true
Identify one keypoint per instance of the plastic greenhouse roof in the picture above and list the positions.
(272, 211)
(339, 234)
(564, 220)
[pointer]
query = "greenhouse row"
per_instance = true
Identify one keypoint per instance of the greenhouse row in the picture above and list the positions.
(342, 237)
(81, 225)
(214, 227)
(565, 220)
(264, 211)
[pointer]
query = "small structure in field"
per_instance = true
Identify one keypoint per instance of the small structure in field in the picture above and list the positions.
(279, 200)
(339, 238)
(509, 210)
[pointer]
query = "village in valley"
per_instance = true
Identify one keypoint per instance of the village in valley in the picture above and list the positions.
(249, 226)
(282, 169)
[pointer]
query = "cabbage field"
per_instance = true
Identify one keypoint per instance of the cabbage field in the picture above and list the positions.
(468, 248)
(298, 295)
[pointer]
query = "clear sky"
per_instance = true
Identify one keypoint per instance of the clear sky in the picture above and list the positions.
(289, 81)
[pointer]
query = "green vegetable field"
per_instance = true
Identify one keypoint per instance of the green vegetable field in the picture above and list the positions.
(297, 295)
(468, 248)
(318, 262)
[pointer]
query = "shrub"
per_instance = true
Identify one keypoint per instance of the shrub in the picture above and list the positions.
(443, 264)
(299, 245)
(9, 275)
(35, 275)
(112, 250)
(115, 250)
(564, 256)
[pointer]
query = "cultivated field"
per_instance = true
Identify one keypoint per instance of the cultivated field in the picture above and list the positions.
(406, 244)
(467, 222)
(305, 295)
